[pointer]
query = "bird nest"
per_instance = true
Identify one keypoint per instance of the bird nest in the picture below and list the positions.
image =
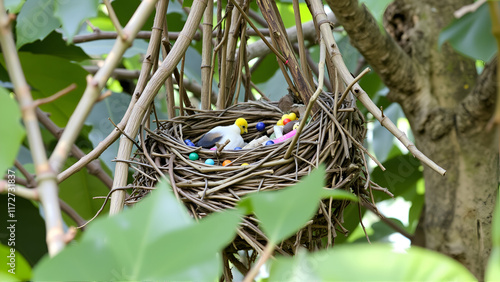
(333, 141)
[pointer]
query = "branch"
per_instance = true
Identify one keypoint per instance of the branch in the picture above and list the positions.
(140, 108)
(379, 49)
(47, 184)
(98, 35)
(476, 109)
(96, 83)
(334, 55)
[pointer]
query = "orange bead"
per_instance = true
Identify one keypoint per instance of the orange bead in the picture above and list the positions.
(226, 162)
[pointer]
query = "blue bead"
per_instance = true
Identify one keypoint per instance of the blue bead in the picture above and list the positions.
(270, 142)
(237, 148)
(187, 141)
(190, 144)
(260, 126)
(209, 162)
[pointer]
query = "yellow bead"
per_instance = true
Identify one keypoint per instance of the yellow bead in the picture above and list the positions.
(280, 122)
(292, 116)
(244, 164)
(285, 116)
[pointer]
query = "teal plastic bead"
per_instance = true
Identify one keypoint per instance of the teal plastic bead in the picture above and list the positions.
(210, 162)
(193, 156)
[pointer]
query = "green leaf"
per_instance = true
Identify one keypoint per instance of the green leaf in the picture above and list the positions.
(402, 173)
(282, 213)
(496, 224)
(152, 241)
(11, 130)
(30, 230)
(54, 45)
(338, 194)
(19, 270)
(125, 9)
(78, 192)
(35, 21)
(361, 262)
(13, 6)
(73, 13)
(49, 74)
(471, 35)
(493, 268)
(268, 66)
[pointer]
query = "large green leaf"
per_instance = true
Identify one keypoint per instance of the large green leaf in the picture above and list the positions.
(402, 173)
(282, 213)
(11, 130)
(49, 74)
(35, 21)
(363, 262)
(54, 45)
(73, 13)
(78, 192)
(152, 241)
(471, 35)
(19, 270)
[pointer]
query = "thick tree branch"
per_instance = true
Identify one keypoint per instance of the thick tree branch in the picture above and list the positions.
(379, 49)
(477, 108)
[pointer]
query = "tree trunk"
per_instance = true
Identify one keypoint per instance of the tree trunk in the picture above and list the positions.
(448, 105)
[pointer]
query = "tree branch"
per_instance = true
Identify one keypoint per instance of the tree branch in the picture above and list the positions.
(477, 108)
(379, 49)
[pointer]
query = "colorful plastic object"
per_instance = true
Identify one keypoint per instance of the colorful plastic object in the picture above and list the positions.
(209, 162)
(260, 126)
(193, 156)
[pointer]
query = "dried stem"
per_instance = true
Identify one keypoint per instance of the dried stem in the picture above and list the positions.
(54, 97)
(206, 56)
(300, 42)
(268, 251)
(140, 108)
(336, 58)
(321, 68)
(46, 177)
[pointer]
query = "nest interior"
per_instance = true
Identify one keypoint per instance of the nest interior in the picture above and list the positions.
(335, 141)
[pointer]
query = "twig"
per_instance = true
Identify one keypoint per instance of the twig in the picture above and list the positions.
(27, 193)
(47, 185)
(206, 56)
(221, 99)
(346, 91)
(300, 42)
(321, 68)
(29, 177)
(268, 251)
(55, 96)
(114, 20)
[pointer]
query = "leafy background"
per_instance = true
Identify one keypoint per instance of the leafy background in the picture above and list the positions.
(44, 33)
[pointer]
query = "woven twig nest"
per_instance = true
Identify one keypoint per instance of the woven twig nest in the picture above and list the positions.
(207, 188)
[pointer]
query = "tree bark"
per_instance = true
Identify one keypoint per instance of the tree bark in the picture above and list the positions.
(448, 105)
